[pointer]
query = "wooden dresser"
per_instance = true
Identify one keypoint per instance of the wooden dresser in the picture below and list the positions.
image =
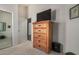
(42, 35)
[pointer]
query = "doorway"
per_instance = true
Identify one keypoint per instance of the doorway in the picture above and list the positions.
(29, 29)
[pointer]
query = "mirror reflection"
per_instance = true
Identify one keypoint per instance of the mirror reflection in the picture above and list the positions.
(5, 32)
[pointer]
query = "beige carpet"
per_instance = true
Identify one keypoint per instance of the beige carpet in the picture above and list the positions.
(24, 49)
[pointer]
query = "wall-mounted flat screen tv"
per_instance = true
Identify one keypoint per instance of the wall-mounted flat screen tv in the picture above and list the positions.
(44, 15)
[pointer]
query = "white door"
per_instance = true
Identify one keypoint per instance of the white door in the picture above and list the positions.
(22, 30)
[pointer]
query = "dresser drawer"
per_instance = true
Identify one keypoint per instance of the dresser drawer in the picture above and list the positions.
(41, 41)
(36, 41)
(40, 46)
(40, 36)
(35, 45)
(43, 45)
(40, 30)
(40, 25)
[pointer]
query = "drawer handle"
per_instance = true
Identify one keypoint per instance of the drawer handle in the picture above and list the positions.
(39, 25)
(39, 45)
(39, 35)
(39, 30)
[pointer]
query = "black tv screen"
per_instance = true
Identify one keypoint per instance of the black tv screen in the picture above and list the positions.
(45, 15)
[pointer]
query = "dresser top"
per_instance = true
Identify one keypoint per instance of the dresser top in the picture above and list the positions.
(42, 22)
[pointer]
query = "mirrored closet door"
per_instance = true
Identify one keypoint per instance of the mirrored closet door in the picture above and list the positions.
(5, 29)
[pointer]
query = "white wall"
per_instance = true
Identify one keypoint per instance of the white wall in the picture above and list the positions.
(13, 9)
(22, 22)
(72, 32)
(67, 31)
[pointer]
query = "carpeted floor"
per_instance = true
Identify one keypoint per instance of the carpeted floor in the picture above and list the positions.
(24, 49)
